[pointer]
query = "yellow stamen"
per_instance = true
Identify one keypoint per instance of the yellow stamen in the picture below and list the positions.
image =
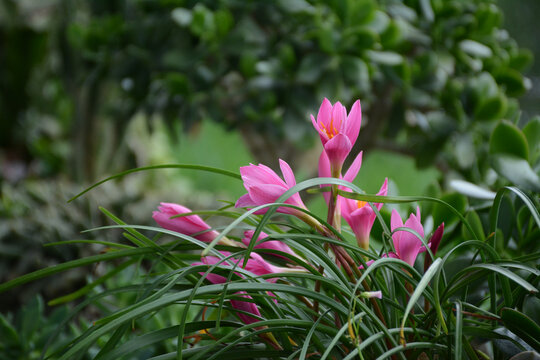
(331, 131)
(361, 204)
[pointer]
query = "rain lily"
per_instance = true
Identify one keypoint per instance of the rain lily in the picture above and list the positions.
(371, 294)
(406, 244)
(338, 132)
(360, 216)
(246, 306)
(433, 245)
(264, 186)
(270, 244)
(167, 217)
(256, 265)
(189, 225)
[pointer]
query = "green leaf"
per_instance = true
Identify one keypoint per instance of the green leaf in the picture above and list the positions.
(155, 167)
(296, 6)
(444, 214)
(512, 81)
(474, 220)
(532, 133)
(521, 325)
(474, 48)
(8, 334)
(311, 68)
(520, 60)
(73, 264)
(507, 138)
(471, 190)
(427, 10)
(517, 170)
(492, 108)
(385, 57)
(422, 285)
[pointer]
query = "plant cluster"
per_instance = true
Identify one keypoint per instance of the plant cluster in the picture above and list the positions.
(280, 281)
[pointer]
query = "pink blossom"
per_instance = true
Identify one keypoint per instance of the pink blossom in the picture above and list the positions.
(338, 132)
(264, 186)
(371, 294)
(406, 244)
(270, 244)
(246, 306)
(360, 216)
(189, 225)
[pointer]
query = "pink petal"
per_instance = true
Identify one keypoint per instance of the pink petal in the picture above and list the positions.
(265, 193)
(246, 306)
(324, 166)
(414, 223)
(339, 117)
(354, 122)
(188, 225)
(436, 239)
(337, 149)
(288, 174)
(361, 221)
(409, 247)
(260, 174)
(351, 173)
(270, 244)
(382, 192)
(324, 171)
(244, 201)
(322, 133)
(395, 220)
(325, 113)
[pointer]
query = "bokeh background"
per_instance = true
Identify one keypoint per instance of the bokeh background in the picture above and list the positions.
(90, 88)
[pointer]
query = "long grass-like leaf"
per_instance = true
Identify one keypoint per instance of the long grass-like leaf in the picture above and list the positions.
(39, 274)
(458, 336)
(430, 273)
(155, 167)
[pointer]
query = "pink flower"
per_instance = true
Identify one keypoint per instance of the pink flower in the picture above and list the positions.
(270, 244)
(246, 306)
(436, 239)
(406, 244)
(360, 216)
(338, 132)
(371, 294)
(189, 225)
(264, 186)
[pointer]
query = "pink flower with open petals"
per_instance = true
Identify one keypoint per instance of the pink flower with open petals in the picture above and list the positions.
(189, 225)
(338, 132)
(264, 186)
(360, 216)
(269, 244)
(407, 244)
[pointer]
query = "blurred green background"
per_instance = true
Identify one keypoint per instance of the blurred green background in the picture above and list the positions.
(89, 88)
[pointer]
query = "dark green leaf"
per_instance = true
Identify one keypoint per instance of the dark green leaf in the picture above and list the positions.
(521, 325)
(532, 133)
(507, 138)
(442, 213)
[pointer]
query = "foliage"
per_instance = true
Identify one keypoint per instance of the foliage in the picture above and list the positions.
(312, 290)
(433, 75)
